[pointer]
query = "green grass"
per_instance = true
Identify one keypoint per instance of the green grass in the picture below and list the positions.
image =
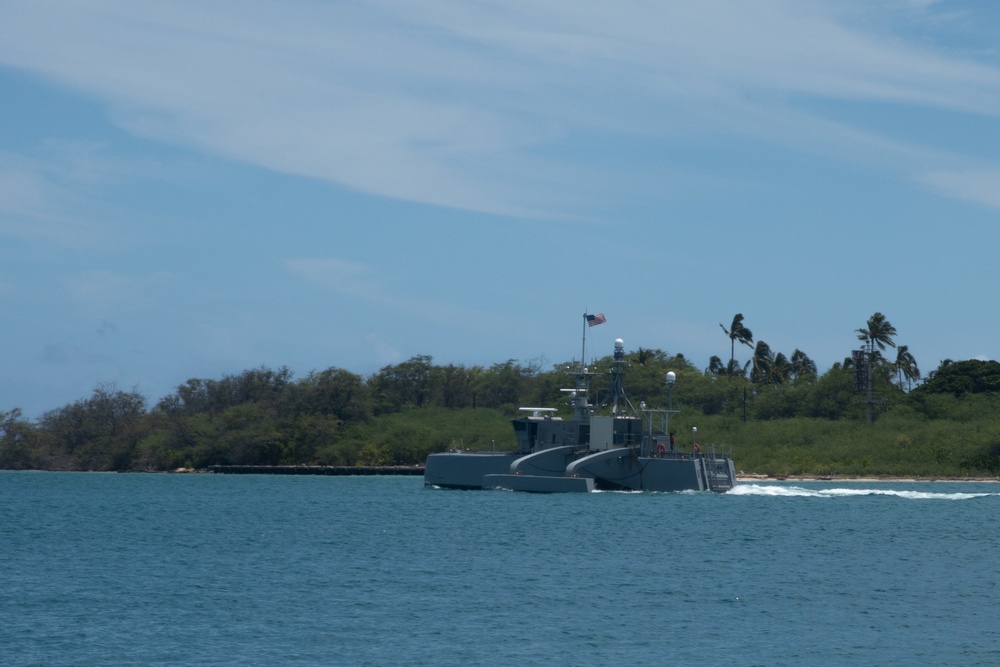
(890, 446)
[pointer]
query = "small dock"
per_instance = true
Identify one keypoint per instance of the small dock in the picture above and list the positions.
(317, 470)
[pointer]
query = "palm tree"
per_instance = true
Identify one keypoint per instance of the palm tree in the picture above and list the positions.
(762, 361)
(878, 332)
(906, 367)
(737, 332)
(781, 369)
(715, 366)
(802, 365)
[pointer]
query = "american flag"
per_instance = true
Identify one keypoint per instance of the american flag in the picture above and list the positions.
(594, 320)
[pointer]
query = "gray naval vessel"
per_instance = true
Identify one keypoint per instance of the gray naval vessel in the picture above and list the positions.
(608, 446)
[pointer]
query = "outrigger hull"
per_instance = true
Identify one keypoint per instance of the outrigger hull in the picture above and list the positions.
(465, 470)
(616, 469)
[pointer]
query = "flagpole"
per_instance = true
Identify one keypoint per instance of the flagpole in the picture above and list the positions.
(583, 351)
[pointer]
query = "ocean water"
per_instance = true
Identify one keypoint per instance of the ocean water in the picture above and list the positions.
(112, 569)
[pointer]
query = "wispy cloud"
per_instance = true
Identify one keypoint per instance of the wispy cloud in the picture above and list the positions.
(359, 281)
(68, 354)
(980, 186)
(340, 275)
(35, 203)
(102, 289)
(384, 353)
(479, 106)
(51, 192)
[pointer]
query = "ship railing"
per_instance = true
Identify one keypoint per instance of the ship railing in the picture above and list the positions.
(711, 453)
(676, 454)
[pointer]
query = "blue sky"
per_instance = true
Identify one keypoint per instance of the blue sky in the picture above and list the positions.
(191, 189)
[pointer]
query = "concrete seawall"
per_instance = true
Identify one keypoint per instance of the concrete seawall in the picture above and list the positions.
(317, 470)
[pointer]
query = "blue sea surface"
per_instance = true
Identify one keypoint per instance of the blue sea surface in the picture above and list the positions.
(113, 569)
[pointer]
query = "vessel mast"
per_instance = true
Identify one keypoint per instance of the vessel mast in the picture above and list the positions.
(616, 393)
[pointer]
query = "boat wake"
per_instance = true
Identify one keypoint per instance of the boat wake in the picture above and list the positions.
(801, 492)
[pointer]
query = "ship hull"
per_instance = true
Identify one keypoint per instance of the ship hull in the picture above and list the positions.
(465, 470)
(615, 469)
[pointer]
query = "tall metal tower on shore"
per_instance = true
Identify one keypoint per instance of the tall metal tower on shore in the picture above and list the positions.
(864, 380)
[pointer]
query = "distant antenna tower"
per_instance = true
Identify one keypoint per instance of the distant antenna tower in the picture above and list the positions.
(863, 381)
(860, 370)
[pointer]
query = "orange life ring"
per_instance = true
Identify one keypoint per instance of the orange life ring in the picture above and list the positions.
(697, 448)
(661, 449)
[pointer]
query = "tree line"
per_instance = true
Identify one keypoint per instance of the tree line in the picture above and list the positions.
(766, 366)
(405, 411)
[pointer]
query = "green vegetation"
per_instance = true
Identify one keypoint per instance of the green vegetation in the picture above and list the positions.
(776, 414)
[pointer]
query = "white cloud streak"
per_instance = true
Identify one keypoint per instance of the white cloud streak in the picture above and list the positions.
(358, 281)
(474, 105)
(340, 275)
(101, 290)
(979, 186)
(40, 197)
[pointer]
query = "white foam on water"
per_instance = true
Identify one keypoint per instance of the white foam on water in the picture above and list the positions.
(802, 492)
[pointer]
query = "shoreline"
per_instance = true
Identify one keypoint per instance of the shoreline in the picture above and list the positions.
(741, 477)
(752, 477)
(419, 470)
